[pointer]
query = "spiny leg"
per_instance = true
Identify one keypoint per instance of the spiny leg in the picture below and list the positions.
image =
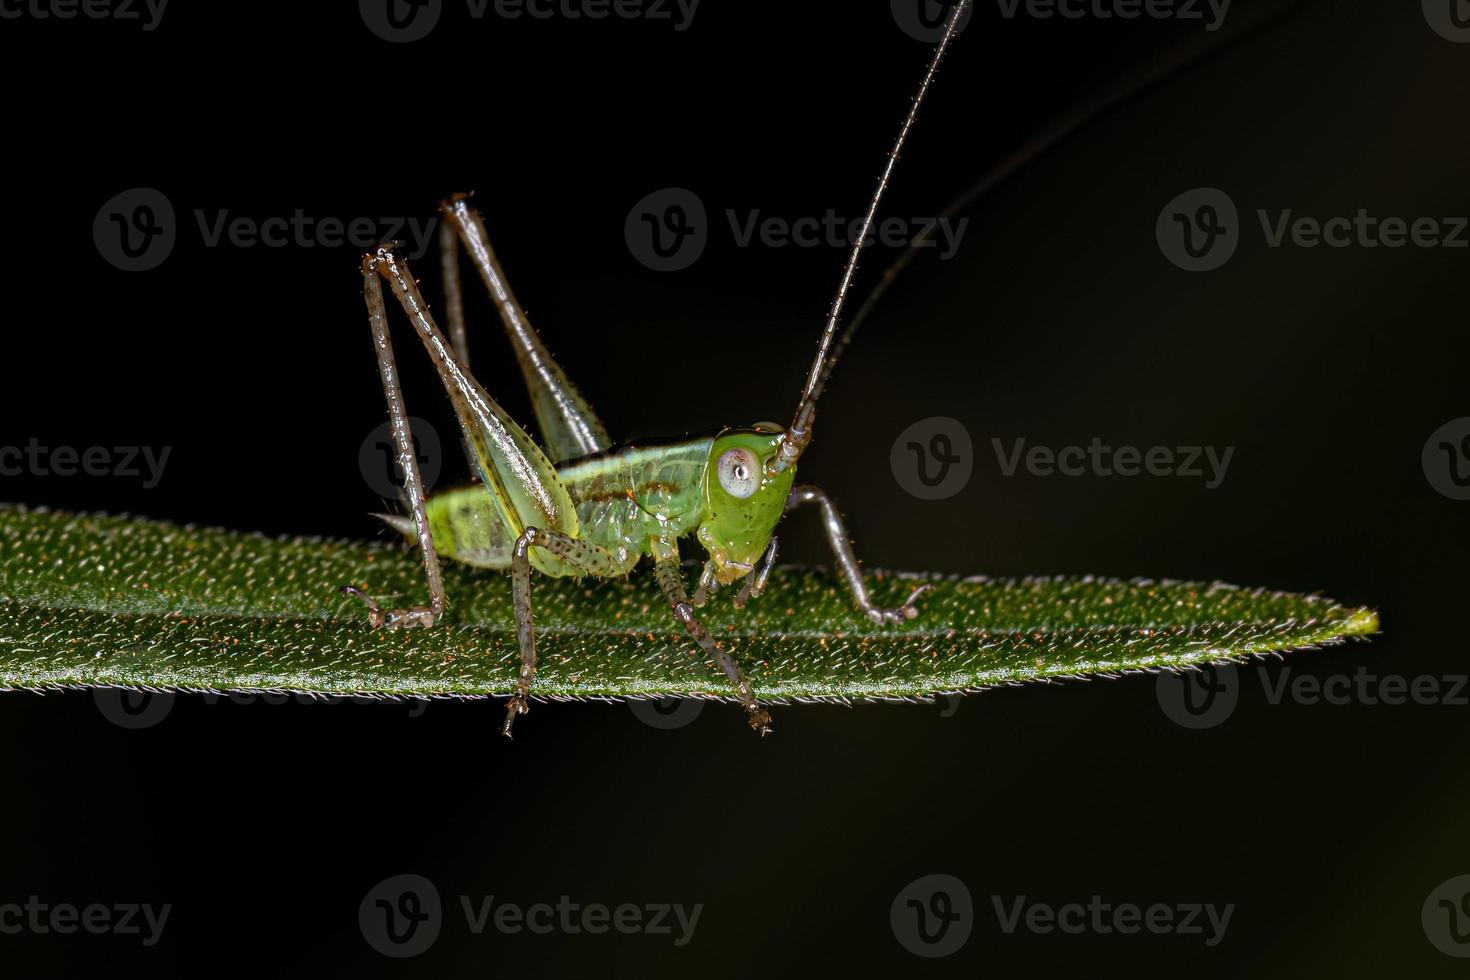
(589, 558)
(527, 492)
(568, 425)
(671, 580)
(413, 486)
(453, 295)
(454, 308)
(847, 561)
(514, 470)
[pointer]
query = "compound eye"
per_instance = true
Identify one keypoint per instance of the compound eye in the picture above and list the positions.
(739, 472)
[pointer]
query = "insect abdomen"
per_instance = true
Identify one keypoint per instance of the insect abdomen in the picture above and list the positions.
(625, 497)
(622, 499)
(465, 525)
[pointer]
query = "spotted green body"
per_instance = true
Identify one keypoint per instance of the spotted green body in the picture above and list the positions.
(625, 499)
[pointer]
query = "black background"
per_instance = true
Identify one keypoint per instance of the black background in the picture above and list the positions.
(264, 826)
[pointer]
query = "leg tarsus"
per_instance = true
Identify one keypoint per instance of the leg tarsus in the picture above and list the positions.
(756, 584)
(898, 614)
(380, 618)
(516, 706)
(708, 584)
(847, 562)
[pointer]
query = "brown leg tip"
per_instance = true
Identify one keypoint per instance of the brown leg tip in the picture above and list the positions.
(760, 721)
(516, 706)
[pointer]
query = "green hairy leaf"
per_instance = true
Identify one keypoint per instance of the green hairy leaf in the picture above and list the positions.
(91, 600)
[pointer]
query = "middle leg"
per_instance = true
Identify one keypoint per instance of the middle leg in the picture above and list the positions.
(581, 555)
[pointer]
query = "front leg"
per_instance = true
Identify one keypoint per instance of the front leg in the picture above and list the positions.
(671, 580)
(847, 561)
(755, 583)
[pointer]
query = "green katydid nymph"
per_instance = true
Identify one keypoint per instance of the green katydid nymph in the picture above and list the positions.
(578, 506)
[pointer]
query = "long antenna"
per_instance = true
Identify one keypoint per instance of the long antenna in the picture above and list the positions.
(1091, 110)
(799, 434)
